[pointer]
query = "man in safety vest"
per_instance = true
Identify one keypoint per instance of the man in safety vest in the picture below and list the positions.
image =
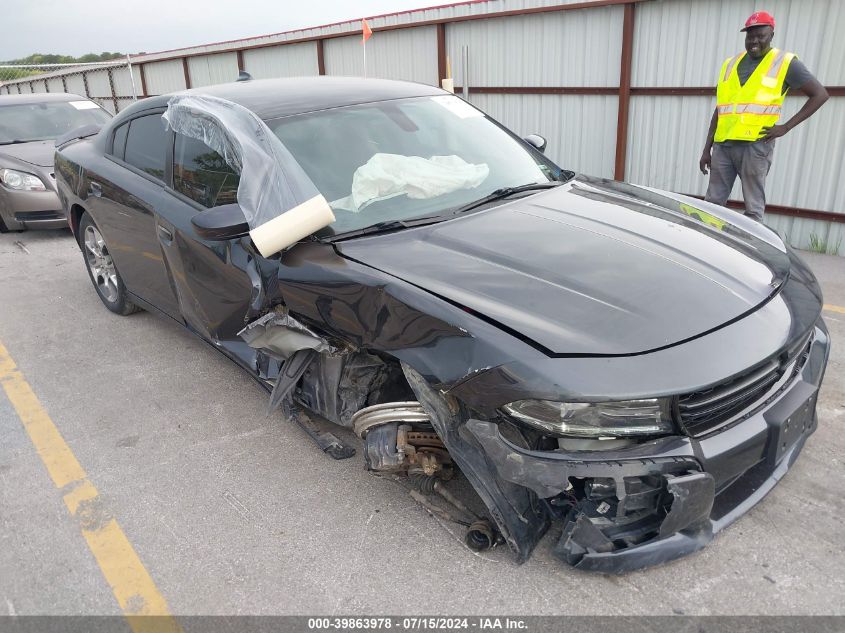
(749, 96)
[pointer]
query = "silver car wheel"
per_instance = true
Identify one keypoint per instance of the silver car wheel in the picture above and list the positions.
(100, 264)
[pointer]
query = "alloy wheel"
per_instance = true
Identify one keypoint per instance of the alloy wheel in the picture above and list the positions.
(100, 264)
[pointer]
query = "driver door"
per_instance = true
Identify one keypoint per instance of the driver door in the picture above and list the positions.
(212, 279)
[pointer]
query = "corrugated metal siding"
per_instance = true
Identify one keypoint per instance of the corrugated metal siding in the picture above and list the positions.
(164, 77)
(683, 43)
(123, 81)
(409, 54)
(665, 139)
(75, 84)
(98, 83)
(666, 136)
(580, 130)
(572, 48)
(291, 60)
(213, 69)
(818, 235)
(437, 13)
(55, 85)
(809, 164)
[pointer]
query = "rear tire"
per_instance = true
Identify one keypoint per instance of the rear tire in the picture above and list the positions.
(101, 269)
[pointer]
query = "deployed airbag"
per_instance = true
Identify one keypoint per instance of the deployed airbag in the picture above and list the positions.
(388, 175)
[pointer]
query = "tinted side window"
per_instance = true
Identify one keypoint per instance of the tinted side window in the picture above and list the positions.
(201, 173)
(145, 145)
(119, 143)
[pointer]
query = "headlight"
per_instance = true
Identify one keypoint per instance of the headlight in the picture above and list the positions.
(21, 181)
(595, 419)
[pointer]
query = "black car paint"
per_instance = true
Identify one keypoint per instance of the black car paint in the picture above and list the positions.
(466, 354)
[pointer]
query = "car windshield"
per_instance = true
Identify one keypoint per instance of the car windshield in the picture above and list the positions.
(47, 121)
(406, 158)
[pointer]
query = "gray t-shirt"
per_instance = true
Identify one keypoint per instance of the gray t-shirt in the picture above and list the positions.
(796, 76)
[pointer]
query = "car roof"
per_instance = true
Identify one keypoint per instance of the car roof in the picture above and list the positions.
(39, 97)
(274, 98)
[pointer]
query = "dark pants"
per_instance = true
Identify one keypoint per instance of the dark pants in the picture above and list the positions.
(749, 161)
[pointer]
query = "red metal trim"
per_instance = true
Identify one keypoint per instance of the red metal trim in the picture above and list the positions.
(441, 53)
(321, 58)
(187, 72)
(667, 91)
(143, 80)
(542, 90)
(590, 4)
(624, 92)
(679, 91)
(795, 212)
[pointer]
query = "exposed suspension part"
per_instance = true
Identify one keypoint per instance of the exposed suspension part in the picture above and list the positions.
(398, 437)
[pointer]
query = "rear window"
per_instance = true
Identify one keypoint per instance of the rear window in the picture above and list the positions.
(145, 145)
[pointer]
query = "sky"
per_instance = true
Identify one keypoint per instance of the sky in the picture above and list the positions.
(76, 27)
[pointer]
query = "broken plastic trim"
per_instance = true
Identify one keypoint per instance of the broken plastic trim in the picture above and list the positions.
(279, 201)
(279, 335)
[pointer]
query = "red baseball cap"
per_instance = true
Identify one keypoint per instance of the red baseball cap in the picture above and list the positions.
(760, 18)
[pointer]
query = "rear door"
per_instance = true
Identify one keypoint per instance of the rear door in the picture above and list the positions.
(211, 278)
(124, 201)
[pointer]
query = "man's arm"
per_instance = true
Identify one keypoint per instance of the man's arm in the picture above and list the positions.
(817, 96)
(704, 161)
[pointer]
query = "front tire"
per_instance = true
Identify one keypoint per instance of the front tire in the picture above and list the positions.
(102, 270)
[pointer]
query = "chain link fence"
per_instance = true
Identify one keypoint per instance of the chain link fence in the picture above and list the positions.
(113, 84)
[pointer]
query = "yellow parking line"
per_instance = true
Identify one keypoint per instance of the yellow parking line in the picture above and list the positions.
(831, 308)
(130, 582)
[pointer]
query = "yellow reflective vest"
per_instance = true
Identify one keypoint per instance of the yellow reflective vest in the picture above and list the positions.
(745, 109)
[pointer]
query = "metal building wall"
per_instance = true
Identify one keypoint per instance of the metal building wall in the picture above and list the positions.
(208, 70)
(680, 43)
(292, 60)
(75, 84)
(409, 54)
(580, 130)
(572, 48)
(164, 77)
(475, 7)
(55, 84)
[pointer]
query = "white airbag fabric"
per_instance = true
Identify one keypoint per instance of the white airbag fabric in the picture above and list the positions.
(388, 175)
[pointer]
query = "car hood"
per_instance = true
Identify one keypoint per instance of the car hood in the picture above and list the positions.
(38, 153)
(592, 267)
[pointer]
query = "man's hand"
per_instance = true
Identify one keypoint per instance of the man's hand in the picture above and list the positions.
(773, 132)
(704, 162)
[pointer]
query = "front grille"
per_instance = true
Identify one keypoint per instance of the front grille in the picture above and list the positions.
(703, 412)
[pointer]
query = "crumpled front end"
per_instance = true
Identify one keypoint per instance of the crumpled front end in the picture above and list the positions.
(659, 500)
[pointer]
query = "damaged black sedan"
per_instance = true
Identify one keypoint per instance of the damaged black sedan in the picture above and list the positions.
(639, 366)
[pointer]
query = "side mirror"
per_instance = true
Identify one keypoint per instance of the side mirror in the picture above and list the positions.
(226, 222)
(537, 141)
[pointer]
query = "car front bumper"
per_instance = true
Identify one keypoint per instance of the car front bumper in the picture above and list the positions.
(22, 210)
(710, 481)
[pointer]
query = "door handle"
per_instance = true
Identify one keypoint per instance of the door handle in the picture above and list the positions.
(164, 233)
(95, 189)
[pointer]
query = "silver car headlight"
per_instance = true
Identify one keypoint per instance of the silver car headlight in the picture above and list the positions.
(594, 420)
(21, 181)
